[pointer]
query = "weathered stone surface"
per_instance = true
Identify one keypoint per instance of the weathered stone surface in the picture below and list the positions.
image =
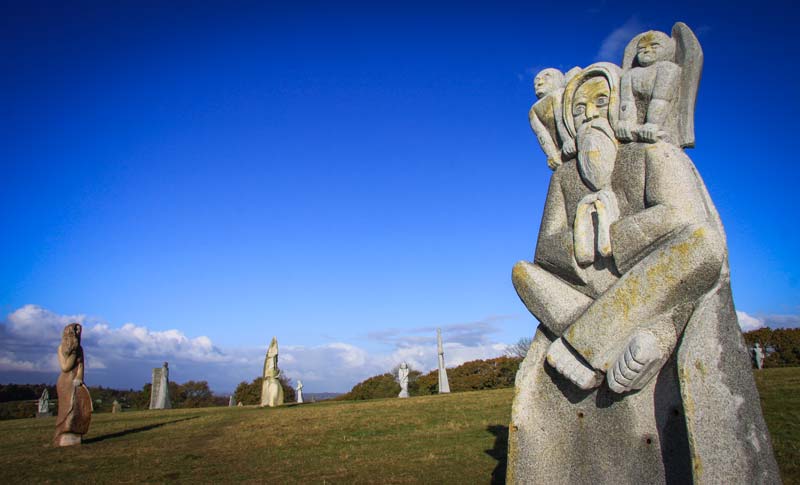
(231, 402)
(116, 407)
(271, 390)
(758, 356)
(43, 406)
(159, 392)
(402, 377)
(299, 391)
(638, 372)
(74, 402)
(444, 384)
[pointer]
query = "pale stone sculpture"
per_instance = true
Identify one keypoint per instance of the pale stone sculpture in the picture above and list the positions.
(74, 402)
(402, 376)
(545, 115)
(271, 390)
(638, 372)
(758, 356)
(299, 391)
(159, 392)
(43, 409)
(231, 402)
(116, 407)
(444, 384)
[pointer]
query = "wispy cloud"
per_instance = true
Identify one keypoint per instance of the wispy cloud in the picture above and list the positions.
(613, 46)
(748, 322)
(773, 320)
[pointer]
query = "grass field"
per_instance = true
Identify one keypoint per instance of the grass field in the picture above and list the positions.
(456, 438)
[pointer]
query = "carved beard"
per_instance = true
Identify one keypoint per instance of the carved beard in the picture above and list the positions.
(597, 152)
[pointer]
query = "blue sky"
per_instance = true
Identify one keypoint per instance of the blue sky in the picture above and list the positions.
(346, 177)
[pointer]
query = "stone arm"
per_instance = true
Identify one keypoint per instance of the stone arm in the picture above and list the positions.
(675, 257)
(546, 141)
(66, 358)
(628, 114)
(554, 248)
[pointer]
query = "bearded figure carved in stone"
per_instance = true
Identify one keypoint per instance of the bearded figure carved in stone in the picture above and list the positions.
(638, 372)
(545, 114)
(74, 402)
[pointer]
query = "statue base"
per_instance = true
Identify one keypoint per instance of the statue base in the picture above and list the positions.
(68, 439)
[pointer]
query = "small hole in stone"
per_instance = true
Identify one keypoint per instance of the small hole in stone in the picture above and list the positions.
(648, 441)
(580, 414)
(676, 412)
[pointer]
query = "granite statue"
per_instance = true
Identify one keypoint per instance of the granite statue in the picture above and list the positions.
(402, 377)
(758, 356)
(271, 389)
(116, 407)
(299, 391)
(74, 402)
(545, 115)
(231, 402)
(43, 406)
(159, 391)
(638, 372)
(444, 384)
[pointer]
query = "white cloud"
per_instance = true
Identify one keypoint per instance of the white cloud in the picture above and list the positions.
(748, 322)
(612, 47)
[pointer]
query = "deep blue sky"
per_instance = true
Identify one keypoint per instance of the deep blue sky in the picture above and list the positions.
(325, 171)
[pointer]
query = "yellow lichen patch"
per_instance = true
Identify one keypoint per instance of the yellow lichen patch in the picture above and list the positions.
(699, 366)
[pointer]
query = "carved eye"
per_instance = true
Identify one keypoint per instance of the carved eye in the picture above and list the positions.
(601, 101)
(579, 109)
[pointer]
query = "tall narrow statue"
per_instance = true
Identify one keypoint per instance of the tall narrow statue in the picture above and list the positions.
(159, 391)
(545, 115)
(638, 372)
(758, 356)
(43, 408)
(299, 391)
(444, 384)
(74, 402)
(271, 390)
(402, 377)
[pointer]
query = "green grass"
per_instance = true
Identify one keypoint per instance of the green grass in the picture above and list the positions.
(456, 438)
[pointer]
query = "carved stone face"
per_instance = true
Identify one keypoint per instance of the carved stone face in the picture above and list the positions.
(654, 46)
(547, 81)
(590, 101)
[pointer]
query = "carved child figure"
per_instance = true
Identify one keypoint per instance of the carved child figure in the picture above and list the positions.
(74, 401)
(545, 114)
(648, 89)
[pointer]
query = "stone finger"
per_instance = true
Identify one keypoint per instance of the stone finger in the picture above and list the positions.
(631, 362)
(623, 369)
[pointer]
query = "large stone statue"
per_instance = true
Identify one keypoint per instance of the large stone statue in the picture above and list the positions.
(74, 402)
(402, 377)
(159, 392)
(638, 372)
(299, 391)
(271, 390)
(444, 384)
(545, 115)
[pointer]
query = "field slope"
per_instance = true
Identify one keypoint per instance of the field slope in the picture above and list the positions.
(456, 438)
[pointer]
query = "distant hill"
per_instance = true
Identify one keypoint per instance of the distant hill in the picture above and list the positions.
(320, 396)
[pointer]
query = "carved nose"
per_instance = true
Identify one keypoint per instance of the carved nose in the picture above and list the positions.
(591, 112)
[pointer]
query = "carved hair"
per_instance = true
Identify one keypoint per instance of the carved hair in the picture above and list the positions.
(667, 42)
(71, 338)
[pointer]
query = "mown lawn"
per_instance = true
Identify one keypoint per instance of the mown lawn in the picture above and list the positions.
(456, 438)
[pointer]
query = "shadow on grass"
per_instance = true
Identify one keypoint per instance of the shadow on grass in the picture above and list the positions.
(499, 452)
(119, 434)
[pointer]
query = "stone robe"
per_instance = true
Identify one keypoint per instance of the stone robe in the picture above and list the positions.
(74, 405)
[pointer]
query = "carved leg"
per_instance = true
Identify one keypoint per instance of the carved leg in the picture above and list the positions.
(553, 302)
(678, 272)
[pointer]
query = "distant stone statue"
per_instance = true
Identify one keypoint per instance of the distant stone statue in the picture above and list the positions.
(545, 115)
(159, 392)
(43, 408)
(402, 377)
(444, 384)
(116, 407)
(231, 402)
(758, 356)
(637, 372)
(299, 391)
(239, 405)
(74, 402)
(271, 389)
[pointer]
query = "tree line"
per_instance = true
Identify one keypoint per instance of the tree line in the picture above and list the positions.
(781, 345)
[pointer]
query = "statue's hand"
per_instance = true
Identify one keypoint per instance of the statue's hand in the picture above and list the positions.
(567, 364)
(76, 382)
(649, 133)
(641, 360)
(553, 163)
(568, 150)
(624, 131)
